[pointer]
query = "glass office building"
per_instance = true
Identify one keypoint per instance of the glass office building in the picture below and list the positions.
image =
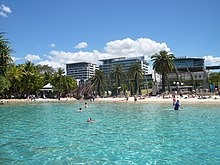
(125, 62)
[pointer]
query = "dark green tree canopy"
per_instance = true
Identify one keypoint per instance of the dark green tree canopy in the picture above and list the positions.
(5, 54)
(163, 63)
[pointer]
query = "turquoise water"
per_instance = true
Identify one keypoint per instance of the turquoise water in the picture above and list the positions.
(124, 133)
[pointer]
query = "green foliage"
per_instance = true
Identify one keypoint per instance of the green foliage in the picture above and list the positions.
(99, 81)
(214, 77)
(4, 84)
(5, 57)
(117, 75)
(62, 83)
(135, 73)
(27, 78)
(163, 63)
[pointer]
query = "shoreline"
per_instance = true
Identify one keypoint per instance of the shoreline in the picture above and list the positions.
(157, 100)
(160, 100)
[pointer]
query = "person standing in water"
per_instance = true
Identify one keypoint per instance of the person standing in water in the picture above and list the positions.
(174, 100)
(177, 105)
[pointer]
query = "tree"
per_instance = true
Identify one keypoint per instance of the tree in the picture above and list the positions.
(4, 84)
(5, 57)
(69, 84)
(99, 81)
(59, 81)
(32, 79)
(163, 63)
(135, 72)
(214, 78)
(117, 75)
(14, 76)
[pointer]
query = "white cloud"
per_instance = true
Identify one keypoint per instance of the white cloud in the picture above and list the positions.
(61, 58)
(31, 57)
(210, 60)
(15, 59)
(52, 45)
(4, 10)
(81, 45)
(54, 64)
(130, 48)
(126, 48)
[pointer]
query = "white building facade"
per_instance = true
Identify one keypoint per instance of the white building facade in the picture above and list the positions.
(81, 71)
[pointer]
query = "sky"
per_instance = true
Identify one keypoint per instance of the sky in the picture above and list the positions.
(57, 32)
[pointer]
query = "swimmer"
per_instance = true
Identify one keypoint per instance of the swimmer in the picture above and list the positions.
(90, 120)
(86, 105)
(80, 109)
(177, 105)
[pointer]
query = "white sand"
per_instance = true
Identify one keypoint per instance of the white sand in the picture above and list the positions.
(159, 100)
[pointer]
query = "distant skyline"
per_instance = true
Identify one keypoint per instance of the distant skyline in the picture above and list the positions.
(59, 32)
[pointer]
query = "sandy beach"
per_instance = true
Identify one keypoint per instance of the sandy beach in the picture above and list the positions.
(156, 100)
(159, 100)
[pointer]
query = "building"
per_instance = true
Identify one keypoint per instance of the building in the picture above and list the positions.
(190, 72)
(125, 62)
(81, 71)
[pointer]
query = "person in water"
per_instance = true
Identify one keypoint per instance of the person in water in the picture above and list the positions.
(177, 105)
(174, 100)
(80, 109)
(86, 105)
(90, 120)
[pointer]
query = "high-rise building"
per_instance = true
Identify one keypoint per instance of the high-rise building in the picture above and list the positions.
(81, 71)
(125, 62)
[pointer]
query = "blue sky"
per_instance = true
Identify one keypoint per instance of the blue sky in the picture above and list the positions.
(56, 32)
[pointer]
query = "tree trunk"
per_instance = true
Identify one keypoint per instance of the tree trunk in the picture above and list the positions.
(99, 89)
(135, 84)
(119, 89)
(163, 82)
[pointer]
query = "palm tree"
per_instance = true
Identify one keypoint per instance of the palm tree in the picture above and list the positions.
(59, 81)
(69, 84)
(135, 72)
(117, 75)
(31, 79)
(99, 81)
(192, 79)
(163, 63)
(5, 57)
(28, 71)
(4, 84)
(15, 75)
